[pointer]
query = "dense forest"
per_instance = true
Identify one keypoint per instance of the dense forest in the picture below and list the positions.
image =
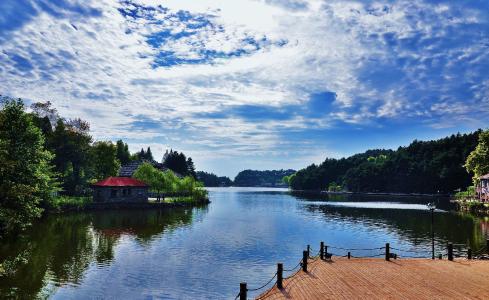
(262, 178)
(422, 167)
(212, 180)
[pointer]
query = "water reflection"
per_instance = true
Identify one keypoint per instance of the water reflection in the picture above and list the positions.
(204, 253)
(60, 248)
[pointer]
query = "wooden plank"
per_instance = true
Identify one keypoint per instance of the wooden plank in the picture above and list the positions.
(371, 278)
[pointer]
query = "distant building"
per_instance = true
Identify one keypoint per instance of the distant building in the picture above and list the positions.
(483, 188)
(120, 189)
(128, 169)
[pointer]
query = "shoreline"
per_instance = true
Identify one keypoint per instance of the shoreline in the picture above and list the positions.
(126, 205)
(316, 192)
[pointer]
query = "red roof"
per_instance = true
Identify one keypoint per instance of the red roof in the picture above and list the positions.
(120, 181)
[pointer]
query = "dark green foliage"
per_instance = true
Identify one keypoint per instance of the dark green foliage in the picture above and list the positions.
(70, 142)
(178, 162)
(103, 156)
(191, 168)
(123, 154)
(212, 180)
(145, 155)
(422, 167)
(26, 177)
(261, 178)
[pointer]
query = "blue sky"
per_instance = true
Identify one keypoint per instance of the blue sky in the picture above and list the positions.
(261, 84)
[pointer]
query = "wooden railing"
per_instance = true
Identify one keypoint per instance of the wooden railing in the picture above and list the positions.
(388, 253)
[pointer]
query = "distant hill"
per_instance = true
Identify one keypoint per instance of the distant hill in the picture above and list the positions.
(262, 178)
(435, 166)
(212, 180)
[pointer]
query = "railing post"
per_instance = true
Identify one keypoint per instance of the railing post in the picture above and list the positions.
(450, 251)
(469, 253)
(487, 246)
(325, 249)
(280, 275)
(304, 260)
(387, 252)
(440, 256)
(321, 250)
(308, 250)
(243, 291)
(349, 255)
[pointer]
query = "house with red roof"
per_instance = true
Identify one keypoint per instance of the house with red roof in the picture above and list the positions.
(120, 189)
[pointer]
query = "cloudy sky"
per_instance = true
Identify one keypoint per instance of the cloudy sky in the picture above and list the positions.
(260, 84)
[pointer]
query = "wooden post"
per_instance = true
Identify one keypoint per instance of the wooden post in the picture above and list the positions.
(321, 250)
(308, 250)
(450, 251)
(349, 255)
(304, 261)
(487, 246)
(280, 275)
(469, 253)
(440, 256)
(387, 252)
(243, 291)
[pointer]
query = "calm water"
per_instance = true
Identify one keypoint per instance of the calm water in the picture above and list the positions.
(204, 253)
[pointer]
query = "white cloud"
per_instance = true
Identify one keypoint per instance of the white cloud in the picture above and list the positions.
(92, 67)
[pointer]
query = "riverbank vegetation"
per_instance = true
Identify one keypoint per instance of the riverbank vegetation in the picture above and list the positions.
(428, 167)
(167, 183)
(48, 162)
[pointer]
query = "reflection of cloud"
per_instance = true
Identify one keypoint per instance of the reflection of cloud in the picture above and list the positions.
(239, 78)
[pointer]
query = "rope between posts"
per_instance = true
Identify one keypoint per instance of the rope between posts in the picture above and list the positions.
(412, 251)
(356, 249)
(298, 265)
(253, 290)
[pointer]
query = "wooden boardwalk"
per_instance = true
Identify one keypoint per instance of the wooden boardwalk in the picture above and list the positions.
(372, 278)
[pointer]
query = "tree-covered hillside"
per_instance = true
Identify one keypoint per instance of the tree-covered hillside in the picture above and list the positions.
(422, 167)
(261, 178)
(212, 180)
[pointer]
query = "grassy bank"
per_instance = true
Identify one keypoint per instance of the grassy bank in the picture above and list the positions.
(472, 205)
(70, 203)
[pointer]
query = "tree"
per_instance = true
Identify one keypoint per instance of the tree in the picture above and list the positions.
(176, 162)
(149, 155)
(103, 156)
(153, 177)
(478, 160)
(191, 168)
(26, 177)
(70, 143)
(123, 154)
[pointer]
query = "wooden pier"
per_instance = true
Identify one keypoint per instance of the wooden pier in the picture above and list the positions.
(376, 278)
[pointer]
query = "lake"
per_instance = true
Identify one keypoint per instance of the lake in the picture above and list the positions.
(204, 253)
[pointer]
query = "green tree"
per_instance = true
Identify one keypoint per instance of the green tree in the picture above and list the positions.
(26, 177)
(70, 143)
(123, 154)
(191, 168)
(103, 156)
(153, 177)
(478, 160)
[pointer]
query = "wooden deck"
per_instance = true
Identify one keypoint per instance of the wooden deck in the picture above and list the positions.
(378, 279)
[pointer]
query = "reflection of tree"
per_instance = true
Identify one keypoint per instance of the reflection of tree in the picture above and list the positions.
(413, 225)
(61, 248)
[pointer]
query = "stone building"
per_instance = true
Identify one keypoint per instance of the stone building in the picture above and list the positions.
(120, 189)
